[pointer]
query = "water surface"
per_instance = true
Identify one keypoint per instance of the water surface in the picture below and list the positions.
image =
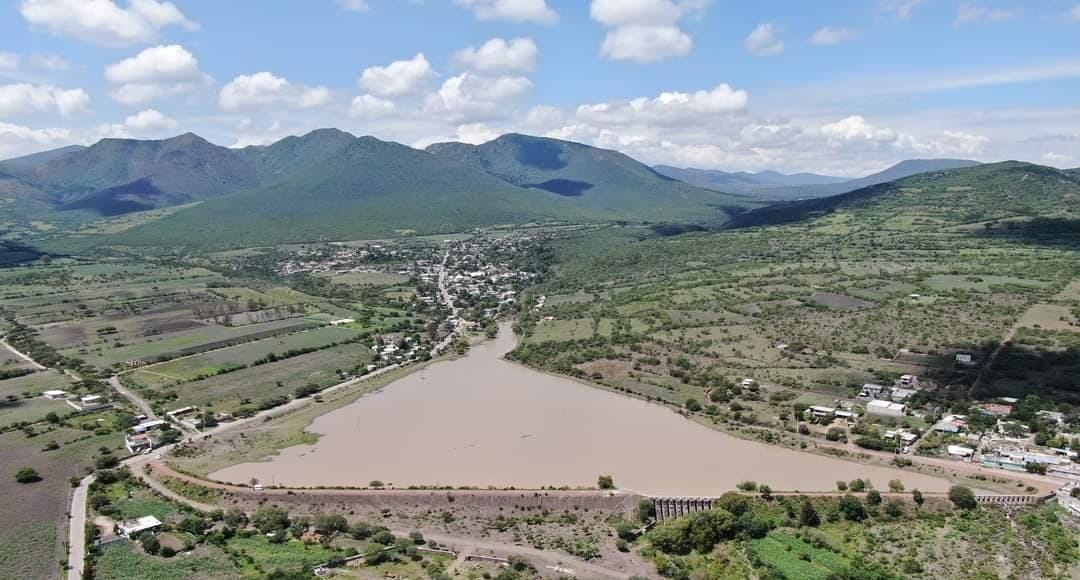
(481, 421)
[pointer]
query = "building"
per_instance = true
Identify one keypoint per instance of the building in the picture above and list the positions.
(885, 408)
(93, 402)
(1052, 416)
(960, 451)
(871, 391)
(342, 321)
(909, 382)
(138, 443)
(148, 426)
(899, 395)
(822, 411)
(748, 383)
(132, 528)
(55, 395)
(964, 359)
(995, 409)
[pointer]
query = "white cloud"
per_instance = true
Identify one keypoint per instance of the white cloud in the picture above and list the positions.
(762, 41)
(9, 61)
(645, 44)
(399, 78)
(971, 12)
(150, 121)
(668, 108)
(645, 31)
(471, 97)
(153, 73)
(829, 36)
(476, 133)
(102, 21)
(856, 128)
(512, 10)
(1057, 159)
(23, 98)
(370, 106)
(50, 62)
(263, 88)
(499, 56)
(18, 140)
(902, 9)
(355, 5)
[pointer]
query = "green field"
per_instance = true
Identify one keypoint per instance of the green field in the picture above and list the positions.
(209, 363)
(123, 561)
(795, 559)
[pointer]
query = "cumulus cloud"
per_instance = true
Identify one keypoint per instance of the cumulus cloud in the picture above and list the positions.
(1057, 159)
(24, 98)
(829, 36)
(513, 10)
(18, 140)
(153, 73)
(399, 78)
(762, 41)
(150, 121)
(667, 108)
(856, 129)
(645, 31)
(355, 5)
(475, 133)
(103, 21)
(971, 12)
(470, 97)
(263, 88)
(901, 9)
(500, 56)
(369, 106)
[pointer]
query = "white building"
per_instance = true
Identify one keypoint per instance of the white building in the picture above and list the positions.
(55, 395)
(960, 451)
(342, 321)
(885, 408)
(131, 528)
(148, 426)
(965, 359)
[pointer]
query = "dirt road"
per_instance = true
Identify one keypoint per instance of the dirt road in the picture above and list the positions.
(24, 357)
(77, 530)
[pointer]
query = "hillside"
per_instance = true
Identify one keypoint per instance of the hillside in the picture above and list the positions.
(600, 181)
(770, 185)
(939, 199)
(34, 160)
(368, 188)
(760, 183)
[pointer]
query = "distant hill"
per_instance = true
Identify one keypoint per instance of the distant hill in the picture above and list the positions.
(768, 185)
(597, 180)
(942, 199)
(28, 162)
(744, 182)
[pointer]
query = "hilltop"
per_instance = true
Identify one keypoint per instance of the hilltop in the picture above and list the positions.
(772, 185)
(1009, 190)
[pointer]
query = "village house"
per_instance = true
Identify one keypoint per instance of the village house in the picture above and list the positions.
(93, 402)
(995, 409)
(885, 408)
(138, 443)
(55, 395)
(148, 426)
(871, 391)
(965, 360)
(132, 528)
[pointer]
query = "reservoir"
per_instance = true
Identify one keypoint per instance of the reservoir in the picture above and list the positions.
(480, 420)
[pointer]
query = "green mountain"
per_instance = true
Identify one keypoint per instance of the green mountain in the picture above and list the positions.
(760, 183)
(991, 194)
(600, 181)
(118, 176)
(34, 160)
(367, 188)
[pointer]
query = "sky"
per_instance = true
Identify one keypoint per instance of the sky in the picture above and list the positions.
(839, 87)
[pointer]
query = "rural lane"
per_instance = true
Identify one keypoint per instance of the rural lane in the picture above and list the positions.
(139, 402)
(77, 529)
(24, 357)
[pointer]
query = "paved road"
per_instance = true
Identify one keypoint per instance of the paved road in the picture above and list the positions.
(25, 357)
(77, 530)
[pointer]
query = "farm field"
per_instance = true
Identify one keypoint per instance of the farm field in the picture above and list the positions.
(191, 367)
(235, 391)
(123, 561)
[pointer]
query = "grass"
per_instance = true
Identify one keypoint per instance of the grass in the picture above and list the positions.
(123, 561)
(795, 559)
(34, 384)
(209, 363)
(23, 551)
(287, 556)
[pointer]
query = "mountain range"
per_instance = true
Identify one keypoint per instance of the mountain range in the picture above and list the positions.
(772, 185)
(329, 184)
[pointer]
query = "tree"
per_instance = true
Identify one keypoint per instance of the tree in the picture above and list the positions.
(873, 497)
(167, 552)
(52, 417)
(894, 508)
(27, 475)
(646, 510)
(235, 518)
(896, 486)
(270, 519)
(841, 486)
(693, 405)
(605, 482)
(331, 523)
(857, 485)
(416, 537)
(1035, 467)
(808, 516)
(852, 509)
(962, 497)
(917, 497)
(149, 543)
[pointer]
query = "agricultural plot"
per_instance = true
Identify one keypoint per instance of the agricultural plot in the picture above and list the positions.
(192, 367)
(124, 561)
(185, 342)
(263, 383)
(795, 559)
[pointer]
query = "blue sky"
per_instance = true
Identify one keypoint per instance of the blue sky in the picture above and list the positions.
(834, 86)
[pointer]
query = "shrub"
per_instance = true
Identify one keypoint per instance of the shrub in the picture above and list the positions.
(27, 475)
(605, 482)
(962, 497)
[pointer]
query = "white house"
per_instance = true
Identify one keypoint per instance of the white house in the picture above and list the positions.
(960, 451)
(871, 391)
(55, 395)
(885, 408)
(342, 321)
(965, 359)
(131, 528)
(148, 426)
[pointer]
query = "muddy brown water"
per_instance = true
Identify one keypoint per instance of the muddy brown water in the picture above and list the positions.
(480, 420)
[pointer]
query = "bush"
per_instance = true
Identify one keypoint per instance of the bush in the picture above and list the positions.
(962, 497)
(873, 497)
(605, 482)
(747, 485)
(167, 552)
(27, 475)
